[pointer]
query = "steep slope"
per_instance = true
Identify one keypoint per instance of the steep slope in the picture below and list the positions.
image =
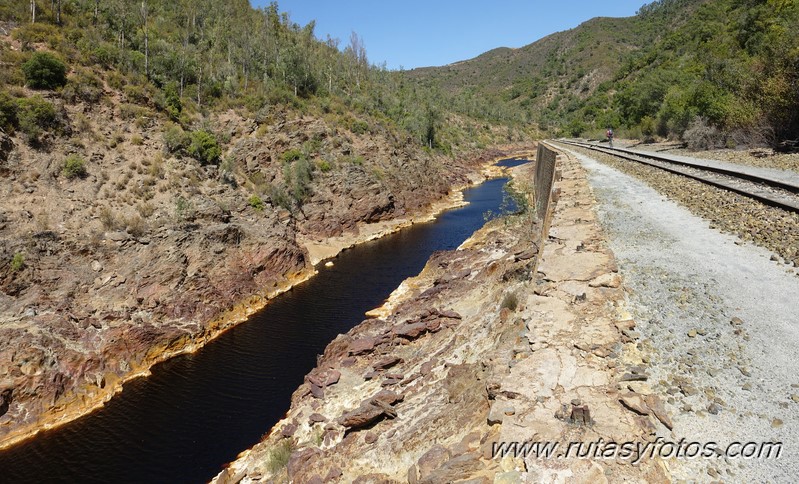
(155, 191)
(594, 45)
(726, 77)
(713, 74)
(146, 256)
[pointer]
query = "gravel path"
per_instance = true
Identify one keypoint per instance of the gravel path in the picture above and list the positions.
(720, 321)
(769, 227)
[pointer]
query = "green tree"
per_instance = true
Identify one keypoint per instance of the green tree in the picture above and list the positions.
(431, 120)
(173, 105)
(44, 71)
(204, 147)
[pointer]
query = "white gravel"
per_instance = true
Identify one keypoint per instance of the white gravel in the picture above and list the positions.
(684, 276)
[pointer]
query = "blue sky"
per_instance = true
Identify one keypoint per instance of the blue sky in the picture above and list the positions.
(417, 33)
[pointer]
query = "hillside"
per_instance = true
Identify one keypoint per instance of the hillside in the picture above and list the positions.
(714, 74)
(554, 76)
(165, 167)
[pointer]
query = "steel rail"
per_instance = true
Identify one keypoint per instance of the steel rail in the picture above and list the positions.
(663, 162)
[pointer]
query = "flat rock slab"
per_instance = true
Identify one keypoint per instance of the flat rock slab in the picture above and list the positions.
(571, 324)
(561, 264)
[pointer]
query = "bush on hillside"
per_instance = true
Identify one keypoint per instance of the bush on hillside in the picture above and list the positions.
(74, 167)
(175, 139)
(291, 155)
(8, 112)
(172, 103)
(204, 147)
(36, 116)
(256, 202)
(83, 86)
(44, 71)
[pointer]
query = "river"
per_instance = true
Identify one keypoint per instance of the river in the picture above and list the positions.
(196, 412)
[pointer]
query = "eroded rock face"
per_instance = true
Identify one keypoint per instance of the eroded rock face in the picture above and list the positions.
(70, 331)
(370, 410)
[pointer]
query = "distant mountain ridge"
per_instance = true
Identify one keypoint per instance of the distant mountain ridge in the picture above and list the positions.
(543, 78)
(725, 69)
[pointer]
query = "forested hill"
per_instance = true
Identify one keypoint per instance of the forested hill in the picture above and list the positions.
(727, 70)
(194, 57)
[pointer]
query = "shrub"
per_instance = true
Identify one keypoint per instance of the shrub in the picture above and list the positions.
(36, 115)
(17, 262)
(105, 54)
(44, 71)
(38, 32)
(83, 86)
(82, 123)
(145, 209)
(132, 111)
(136, 94)
(173, 106)
(354, 159)
(116, 80)
(278, 94)
(136, 226)
(701, 135)
(108, 219)
(324, 166)
(256, 202)
(136, 140)
(298, 176)
(204, 147)
(74, 167)
(8, 112)
(291, 155)
(11, 74)
(648, 129)
(359, 127)
(175, 139)
(311, 147)
(279, 455)
(116, 138)
(184, 210)
(278, 196)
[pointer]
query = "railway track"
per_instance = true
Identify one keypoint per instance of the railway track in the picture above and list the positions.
(769, 190)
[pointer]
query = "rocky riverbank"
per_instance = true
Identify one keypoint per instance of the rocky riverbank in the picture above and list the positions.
(516, 336)
(143, 258)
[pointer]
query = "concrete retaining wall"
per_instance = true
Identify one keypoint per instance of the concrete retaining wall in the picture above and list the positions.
(545, 174)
